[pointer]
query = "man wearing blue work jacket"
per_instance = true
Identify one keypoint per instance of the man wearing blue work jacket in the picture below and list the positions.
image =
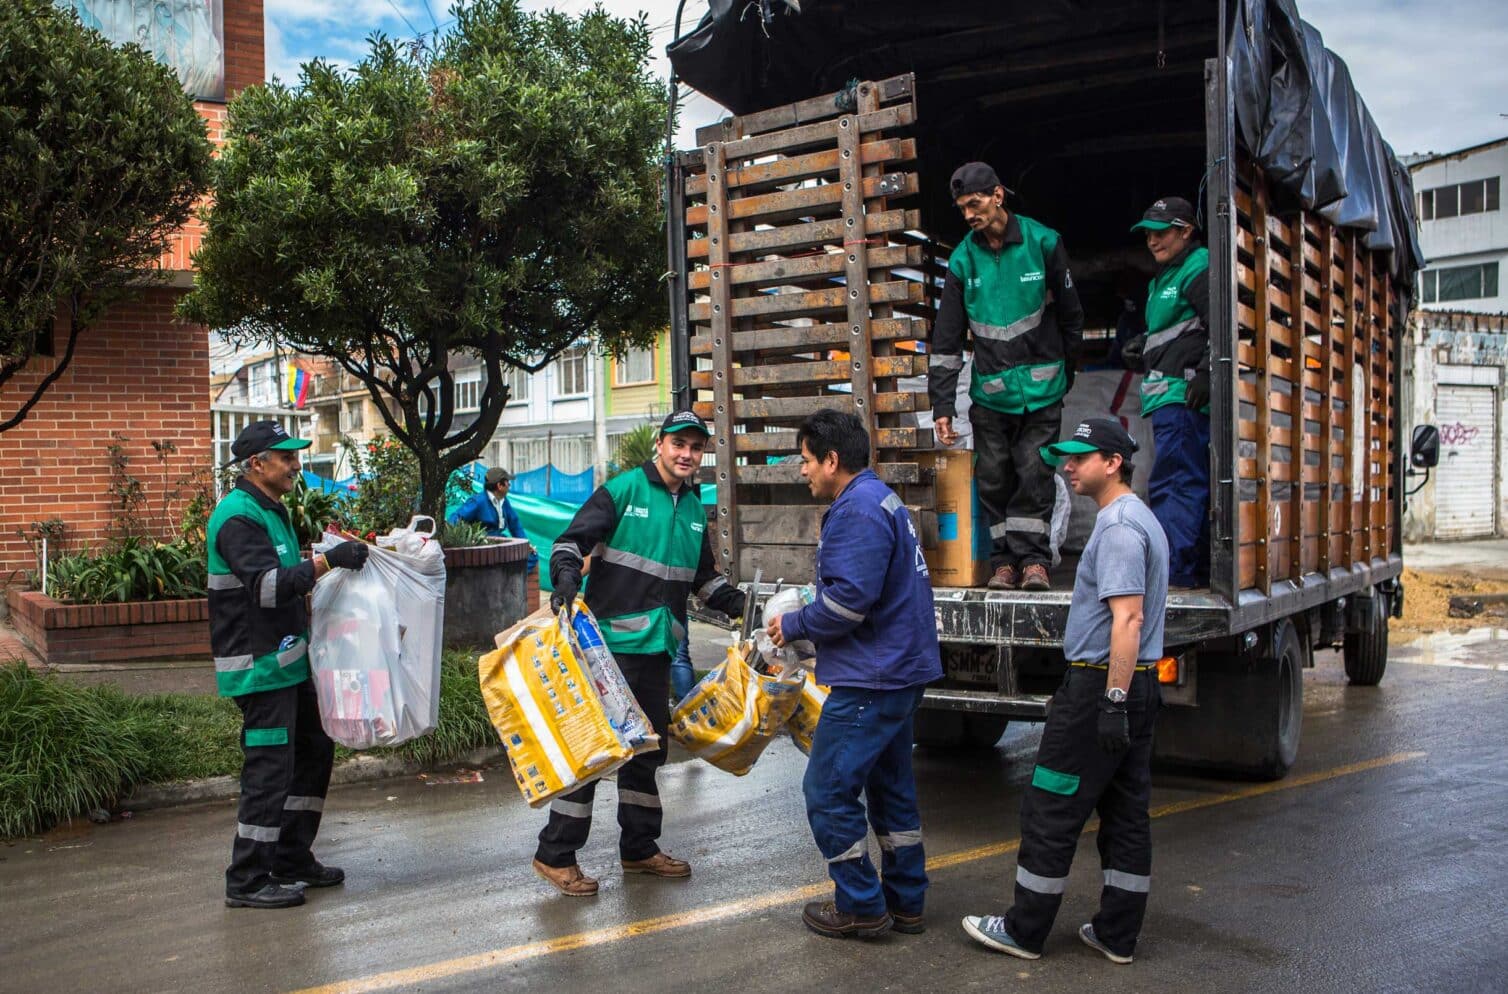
(491, 509)
(873, 626)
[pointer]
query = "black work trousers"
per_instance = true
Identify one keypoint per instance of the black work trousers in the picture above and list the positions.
(1015, 484)
(284, 777)
(1073, 778)
(639, 813)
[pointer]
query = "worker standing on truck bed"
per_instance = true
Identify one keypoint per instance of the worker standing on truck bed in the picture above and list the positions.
(1009, 287)
(872, 623)
(1175, 392)
(1096, 749)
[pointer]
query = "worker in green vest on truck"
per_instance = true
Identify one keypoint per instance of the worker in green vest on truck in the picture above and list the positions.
(1174, 355)
(1009, 287)
(646, 531)
(259, 632)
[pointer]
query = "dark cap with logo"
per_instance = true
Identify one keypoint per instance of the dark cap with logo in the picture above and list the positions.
(683, 421)
(1169, 212)
(974, 177)
(259, 436)
(1092, 435)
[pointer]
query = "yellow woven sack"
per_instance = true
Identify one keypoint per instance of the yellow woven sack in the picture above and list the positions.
(803, 723)
(734, 712)
(542, 702)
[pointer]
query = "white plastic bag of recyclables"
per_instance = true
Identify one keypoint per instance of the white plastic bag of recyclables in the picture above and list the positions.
(375, 641)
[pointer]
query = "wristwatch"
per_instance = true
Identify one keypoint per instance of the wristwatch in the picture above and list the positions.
(1115, 695)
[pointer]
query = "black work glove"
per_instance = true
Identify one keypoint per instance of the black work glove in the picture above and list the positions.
(1114, 727)
(738, 604)
(566, 584)
(348, 555)
(1131, 354)
(1198, 395)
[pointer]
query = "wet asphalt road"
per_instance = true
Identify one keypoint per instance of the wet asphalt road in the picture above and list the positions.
(1380, 864)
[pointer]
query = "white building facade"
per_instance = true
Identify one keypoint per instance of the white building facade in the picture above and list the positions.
(1463, 229)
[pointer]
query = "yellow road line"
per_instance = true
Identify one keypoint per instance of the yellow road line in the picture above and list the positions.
(442, 969)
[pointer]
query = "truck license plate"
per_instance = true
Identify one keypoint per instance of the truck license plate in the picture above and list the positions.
(971, 664)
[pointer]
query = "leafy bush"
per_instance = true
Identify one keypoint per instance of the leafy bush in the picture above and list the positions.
(311, 510)
(462, 534)
(635, 448)
(388, 492)
(137, 570)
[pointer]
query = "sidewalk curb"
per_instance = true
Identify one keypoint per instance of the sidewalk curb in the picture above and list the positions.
(358, 769)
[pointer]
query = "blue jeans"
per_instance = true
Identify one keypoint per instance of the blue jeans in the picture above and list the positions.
(1178, 491)
(863, 747)
(682, 676)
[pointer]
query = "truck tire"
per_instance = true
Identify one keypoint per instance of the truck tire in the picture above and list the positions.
(1250, 712)
(958, 730)
(1366, 651)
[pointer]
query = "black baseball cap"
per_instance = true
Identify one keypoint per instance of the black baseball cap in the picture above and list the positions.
(1169, 212)
(682, 421)
(259, 436)
(974, 177)
(1092, 435)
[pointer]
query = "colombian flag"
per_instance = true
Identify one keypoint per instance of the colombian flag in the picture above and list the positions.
(298, 386)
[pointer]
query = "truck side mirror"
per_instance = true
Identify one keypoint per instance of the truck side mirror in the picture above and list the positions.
(1424, 449)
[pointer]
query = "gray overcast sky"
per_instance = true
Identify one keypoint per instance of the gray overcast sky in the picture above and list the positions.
(1435, 74)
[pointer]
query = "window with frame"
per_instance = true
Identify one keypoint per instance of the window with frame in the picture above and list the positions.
(634, 367)
(1459, 283)
(517, 380)
(1459, 199)
(571, 378)
(468, 395)
(353, 415)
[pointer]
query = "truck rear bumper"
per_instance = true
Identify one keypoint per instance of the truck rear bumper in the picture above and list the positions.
(1031, 707)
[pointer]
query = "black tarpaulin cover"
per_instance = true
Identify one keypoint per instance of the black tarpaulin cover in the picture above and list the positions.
(1297, 112)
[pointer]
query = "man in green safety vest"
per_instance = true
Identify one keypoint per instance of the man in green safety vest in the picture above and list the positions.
(1009, 288)
(1174, 355)
(646, 531)
(259, 632)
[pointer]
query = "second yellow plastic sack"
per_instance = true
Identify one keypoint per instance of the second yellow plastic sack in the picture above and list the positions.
(735, 712)
(545, 708)
(803, 723)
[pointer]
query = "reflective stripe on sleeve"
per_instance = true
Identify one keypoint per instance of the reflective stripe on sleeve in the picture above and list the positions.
(839, 609)
(936, 361)
(569, 548)
(225, 581)
(711, 587)
(267, 590)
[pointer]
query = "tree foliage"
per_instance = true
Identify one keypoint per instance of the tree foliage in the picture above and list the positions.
(102, 157)
(495, 197)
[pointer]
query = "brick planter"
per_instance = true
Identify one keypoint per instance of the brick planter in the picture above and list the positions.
(485, 591)
(109, 633)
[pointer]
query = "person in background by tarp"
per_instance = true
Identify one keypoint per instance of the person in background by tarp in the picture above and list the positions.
(1096, 748)
(646, 531)
(1009, 287)
(491, 509)
(1175, 393)
(873, 626)
(259, 632)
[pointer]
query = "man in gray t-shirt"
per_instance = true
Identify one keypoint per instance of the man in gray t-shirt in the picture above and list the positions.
(1096, 750)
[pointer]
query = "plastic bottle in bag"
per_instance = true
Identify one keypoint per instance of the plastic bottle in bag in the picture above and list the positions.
(623, 709)
(799, 653)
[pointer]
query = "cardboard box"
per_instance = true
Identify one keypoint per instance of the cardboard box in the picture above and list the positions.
(961, 557)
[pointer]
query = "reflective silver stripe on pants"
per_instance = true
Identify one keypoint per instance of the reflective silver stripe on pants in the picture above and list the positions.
(258, 833)
(998, 530)
(571, 809)
(1161, 338)
(292, 654)
(298, 803)
(935, 361)
(675, 574)
(711, 587)
(899, 840)
(1042, 885)
(1133, 882)
(1010, 332)
(1034, 525)
(639, 624)
(839, 609)
(267, 590)
(569, 548)
(231, 664)
(890, 504)
(225, 581)
(638, 798)
(855, 851)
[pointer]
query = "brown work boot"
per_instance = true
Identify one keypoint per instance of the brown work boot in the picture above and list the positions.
(907, 924)
(824, 918)
(569, 880)
(661, 864)
(1005, 578)
(1035, 578)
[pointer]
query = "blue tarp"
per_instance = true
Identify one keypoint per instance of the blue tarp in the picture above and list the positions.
(345, 487)
(549, 482)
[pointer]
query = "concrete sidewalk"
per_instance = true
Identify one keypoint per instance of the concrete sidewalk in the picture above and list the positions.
(1487, 557)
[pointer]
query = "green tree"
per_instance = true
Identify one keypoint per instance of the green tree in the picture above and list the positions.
(102, 157)
(497, 197)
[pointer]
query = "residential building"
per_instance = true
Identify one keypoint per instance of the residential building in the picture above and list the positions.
(254, 390)
(1463, 229)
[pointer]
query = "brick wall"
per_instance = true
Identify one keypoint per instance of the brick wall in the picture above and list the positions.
(137, 371)
(245, 45)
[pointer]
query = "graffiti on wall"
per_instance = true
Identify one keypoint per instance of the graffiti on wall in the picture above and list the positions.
(1459, 434)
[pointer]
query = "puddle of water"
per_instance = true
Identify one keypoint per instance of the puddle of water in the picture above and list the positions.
(1478, 649)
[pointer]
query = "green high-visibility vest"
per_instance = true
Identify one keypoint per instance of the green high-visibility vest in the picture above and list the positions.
(1173, 327)
(244, 671)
